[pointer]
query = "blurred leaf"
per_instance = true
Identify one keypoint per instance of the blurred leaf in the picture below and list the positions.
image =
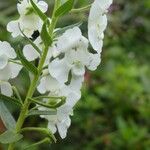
(6, 117)
(46, 140)
(10, 137)
(10, 100)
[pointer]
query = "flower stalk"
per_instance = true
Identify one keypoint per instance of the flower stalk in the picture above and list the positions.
(27, 102)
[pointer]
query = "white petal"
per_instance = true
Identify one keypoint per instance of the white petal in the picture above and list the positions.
(30, 53)
(97, 23)
(52, 127)
(52, 84)
(62, 129)
(69, 39)
(15, 69)
(29, 24)
(78, 69)
(3, 61)
(22, 7)
(6, 88)
(42, 86)
(59, 70)
(5, 74)
(6, 49)
(43, 6)
(72, 99)
(95, 40)
(13, 28)
(94, 61)
(76, 83)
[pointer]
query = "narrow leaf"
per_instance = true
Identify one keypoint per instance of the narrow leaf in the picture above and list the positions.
(65, 8)
(10, 100)
(38, 11)
(10, 137)
(31, 42)
(6, 117)
(62, 30)
(38, 112)
(45, 36)
(29, 66)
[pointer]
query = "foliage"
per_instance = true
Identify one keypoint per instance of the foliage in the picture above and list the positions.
(113, 113)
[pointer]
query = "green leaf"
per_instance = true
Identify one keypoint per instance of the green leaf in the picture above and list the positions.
(45, 36)
(62, 30)
(65, 8)
(6, 117)
(31, 42)
(10, 100)
(29, 66)
(38, 112)
(10, 137)
(38, 11)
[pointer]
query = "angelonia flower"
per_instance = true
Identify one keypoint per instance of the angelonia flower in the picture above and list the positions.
(68, 57)
(8, 68)
(28, 20)
(97, 23)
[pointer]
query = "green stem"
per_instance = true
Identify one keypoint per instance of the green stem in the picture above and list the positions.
(33, 85)
(30, 93)
(54, 19)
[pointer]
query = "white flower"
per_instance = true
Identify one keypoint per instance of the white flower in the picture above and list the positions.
(31, 54)
(8, 70)
(29, 21)
(76, 57)
(97, 23)
(61, 120)
(69, 39)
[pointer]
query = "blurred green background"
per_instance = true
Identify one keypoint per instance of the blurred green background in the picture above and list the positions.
(114, 111)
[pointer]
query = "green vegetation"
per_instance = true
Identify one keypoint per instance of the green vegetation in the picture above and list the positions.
(114, 112)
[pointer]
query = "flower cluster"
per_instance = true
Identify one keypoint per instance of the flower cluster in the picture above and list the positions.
(65, 64)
